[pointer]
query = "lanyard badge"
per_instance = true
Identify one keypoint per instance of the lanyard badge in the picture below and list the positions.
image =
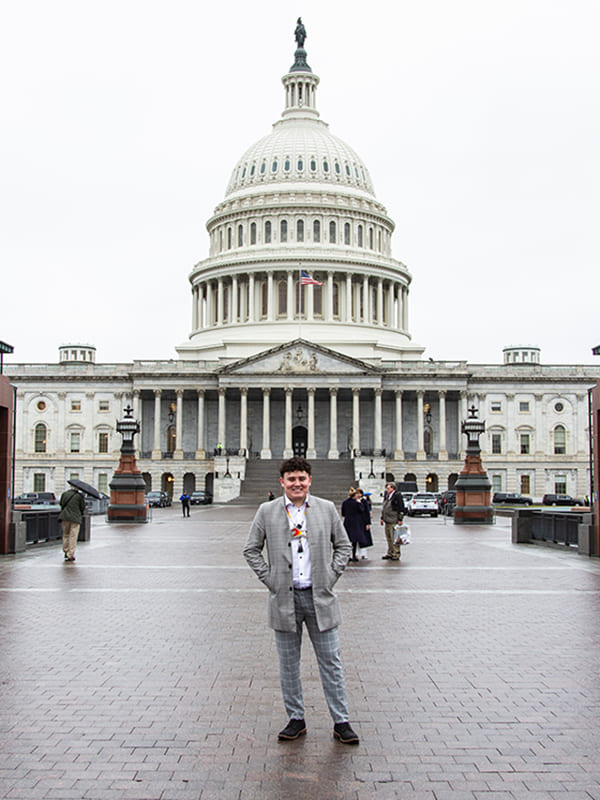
(298, 533)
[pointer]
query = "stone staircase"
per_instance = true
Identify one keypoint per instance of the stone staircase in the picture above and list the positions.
(331, 480)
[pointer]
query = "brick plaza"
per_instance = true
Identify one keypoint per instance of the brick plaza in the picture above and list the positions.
(146, 671)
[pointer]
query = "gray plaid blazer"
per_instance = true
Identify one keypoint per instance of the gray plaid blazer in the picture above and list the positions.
(330, 550)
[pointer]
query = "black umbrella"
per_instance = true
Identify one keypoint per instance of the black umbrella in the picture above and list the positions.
(85, 487)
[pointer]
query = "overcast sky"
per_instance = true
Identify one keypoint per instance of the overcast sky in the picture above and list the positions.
(479, 121)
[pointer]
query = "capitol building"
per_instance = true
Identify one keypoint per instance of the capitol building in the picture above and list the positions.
(300, 344)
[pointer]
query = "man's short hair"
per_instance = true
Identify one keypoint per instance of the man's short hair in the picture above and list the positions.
(295, 464)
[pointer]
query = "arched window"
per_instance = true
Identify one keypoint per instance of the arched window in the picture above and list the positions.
(560, 440)
(300, 165)
(283, 231)
(335, 301)
(253, 233)
(282, 296)
(220, 241)
(267, 232)
(316, 231)
(360, 235)
(318, 301)
(332, 232)
(347, 233)
(229, 237)
(300, 230)
(240, 235)
(370, 238)
(39, 445)
(264, 298)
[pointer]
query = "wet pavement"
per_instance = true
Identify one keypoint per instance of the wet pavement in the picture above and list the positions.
(146, 671)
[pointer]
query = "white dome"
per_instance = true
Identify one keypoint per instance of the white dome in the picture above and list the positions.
(300, 150)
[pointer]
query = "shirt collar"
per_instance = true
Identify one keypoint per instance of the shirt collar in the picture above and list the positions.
(288, 502)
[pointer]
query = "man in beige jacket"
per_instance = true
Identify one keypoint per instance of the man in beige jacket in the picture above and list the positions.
(307, 551)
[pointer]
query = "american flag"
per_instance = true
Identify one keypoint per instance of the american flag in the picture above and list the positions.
(306, 280)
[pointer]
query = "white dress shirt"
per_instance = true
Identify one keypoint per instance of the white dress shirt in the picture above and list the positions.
(301, 569)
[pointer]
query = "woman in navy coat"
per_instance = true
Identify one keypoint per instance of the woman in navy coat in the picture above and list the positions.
(357, 520)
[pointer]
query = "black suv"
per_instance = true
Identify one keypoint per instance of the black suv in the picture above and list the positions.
(512, 498)
(447, 501)
(560, 500)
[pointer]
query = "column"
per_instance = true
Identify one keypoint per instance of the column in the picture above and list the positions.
(380, 301)
(234, 300)
(220, 301)
(421, 455)
(179, 425)
(443, 449)
(366, 315)
(195, 308)
(355, 422)
(266, 426)
(333, 446)
(288, 451)
(244, 420)
(290, 296)
(329, 298)
(348, 315)
(251, 317)
(137, 414)
(398, 450)
(462, 415)
(310, 451)
(310, 302)
(156, 451)
(270, 298)
(210, 304)
(377, 422)
(221, 418)
(404, 308)
(200, 447)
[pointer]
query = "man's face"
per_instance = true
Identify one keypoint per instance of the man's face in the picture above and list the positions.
(390, 488)
(296, 485)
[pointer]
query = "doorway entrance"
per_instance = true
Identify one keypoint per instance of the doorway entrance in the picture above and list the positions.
(299, 440)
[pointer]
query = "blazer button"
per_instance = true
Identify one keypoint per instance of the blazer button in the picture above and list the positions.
(289, 544)
(290, 566)
(291, 588)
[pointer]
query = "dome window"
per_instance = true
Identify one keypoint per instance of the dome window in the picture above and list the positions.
(300, 165)
(347, 233)
(252, 170)
(274, 166)
(263, 167)
(300, 230)
(267, 232)
(362, 172)
(287, 165)
(347, 170)
(316, 230)
(283, 231)
(313, 165)
(332, 232)
(253, 233)
(240, 236)
(337, 168)
(325, 166)
(360, 235)
(243, 173)
(356, 173)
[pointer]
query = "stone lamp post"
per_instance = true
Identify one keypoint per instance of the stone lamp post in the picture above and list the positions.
(127, 488)
(473, 486)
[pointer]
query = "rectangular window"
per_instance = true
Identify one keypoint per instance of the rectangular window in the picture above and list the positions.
(103, 406)
(75, 405)
(74, 476)
(75, 442)
(560, 484)
(496, 407)
(524, 406)
(525, 444)
(103, 442)
(496, 483)
(496, 443)
(103, 482)
(39, 482)
(525, 484)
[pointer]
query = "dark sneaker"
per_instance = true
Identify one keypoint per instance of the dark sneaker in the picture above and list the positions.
(293, 730)
(344, 733)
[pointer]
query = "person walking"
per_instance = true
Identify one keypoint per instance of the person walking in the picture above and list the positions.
(392, 513)
(185, 504)
(72, 509)
(307, 551)
(357, 520)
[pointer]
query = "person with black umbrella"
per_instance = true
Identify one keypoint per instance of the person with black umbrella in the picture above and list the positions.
(72, 508)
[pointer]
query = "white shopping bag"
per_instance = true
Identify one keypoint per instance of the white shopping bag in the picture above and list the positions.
(401, 534)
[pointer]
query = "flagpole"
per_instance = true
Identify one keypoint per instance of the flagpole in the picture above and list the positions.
(299, 300)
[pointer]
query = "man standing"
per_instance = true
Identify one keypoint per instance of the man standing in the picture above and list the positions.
(185, 504)
(72, 509)
(307, 551)
(392, 513)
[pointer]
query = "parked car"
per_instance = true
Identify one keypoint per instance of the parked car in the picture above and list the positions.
(560, 500)
(36, 498)
(167, 499)
(155, 499)
(512, 498)
(407, 497)
(448, 501)
(25, 499)
(200, 498)
(423, 503)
